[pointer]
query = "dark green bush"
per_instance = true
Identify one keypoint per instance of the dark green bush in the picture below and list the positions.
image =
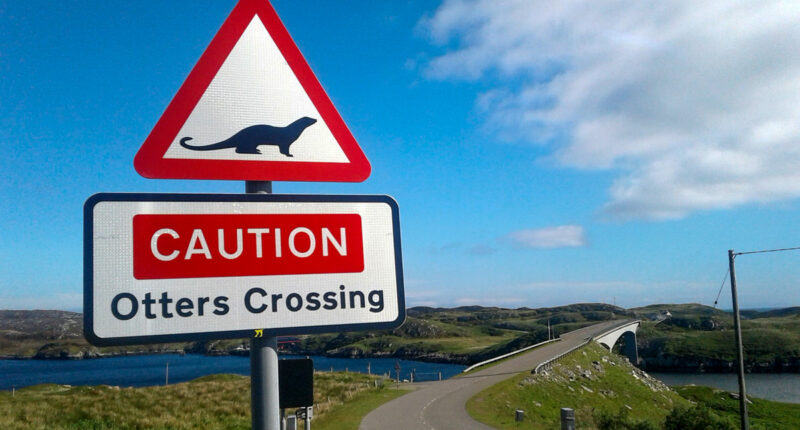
(696, 418)
(621, 421)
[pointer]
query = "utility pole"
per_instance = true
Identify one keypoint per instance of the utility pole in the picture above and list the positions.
(739, 350)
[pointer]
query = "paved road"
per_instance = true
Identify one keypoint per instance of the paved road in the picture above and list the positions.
(441, 405)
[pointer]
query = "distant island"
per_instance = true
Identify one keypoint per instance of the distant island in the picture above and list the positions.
(672, 337)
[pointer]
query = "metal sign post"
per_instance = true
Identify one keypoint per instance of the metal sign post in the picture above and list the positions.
(264, 393)
(264, 400)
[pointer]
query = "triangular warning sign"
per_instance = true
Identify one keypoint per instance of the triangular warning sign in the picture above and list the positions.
(252, 109)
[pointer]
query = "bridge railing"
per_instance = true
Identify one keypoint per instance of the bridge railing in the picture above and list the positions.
(550, 360)
(500, 357)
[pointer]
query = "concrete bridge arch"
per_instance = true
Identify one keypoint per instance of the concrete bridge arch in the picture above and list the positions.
(627, 332)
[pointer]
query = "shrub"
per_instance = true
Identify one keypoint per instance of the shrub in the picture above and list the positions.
(696, 418)
(621, 421)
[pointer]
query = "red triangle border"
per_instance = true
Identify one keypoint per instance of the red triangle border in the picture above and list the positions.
(150, 161)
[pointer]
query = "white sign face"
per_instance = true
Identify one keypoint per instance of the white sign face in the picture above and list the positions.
(165, 268)
(243, 94)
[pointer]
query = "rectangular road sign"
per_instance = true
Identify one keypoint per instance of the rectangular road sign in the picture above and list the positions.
(180, 267)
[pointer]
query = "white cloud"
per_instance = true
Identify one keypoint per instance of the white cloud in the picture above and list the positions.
(695, 104)
(563, 236)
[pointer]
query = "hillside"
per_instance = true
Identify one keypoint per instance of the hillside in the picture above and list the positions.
(459, 335)
(24, 333)
(215, 401)
(673, 337)
(694, 337)
(607, 392)
(59, 334)
(466, 334)
(591, 381)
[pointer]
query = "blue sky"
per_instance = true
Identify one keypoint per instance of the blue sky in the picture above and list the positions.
(541, 155)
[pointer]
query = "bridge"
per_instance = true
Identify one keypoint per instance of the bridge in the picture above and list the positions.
(628, 334)
(442, 405)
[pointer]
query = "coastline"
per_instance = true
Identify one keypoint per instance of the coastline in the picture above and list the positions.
(673, 365)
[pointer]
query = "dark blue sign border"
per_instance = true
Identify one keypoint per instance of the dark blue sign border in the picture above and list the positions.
(88, 265)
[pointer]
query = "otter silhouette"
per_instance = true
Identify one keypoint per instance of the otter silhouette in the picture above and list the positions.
(248, 139)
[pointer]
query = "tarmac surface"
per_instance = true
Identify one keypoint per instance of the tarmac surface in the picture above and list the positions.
(442, 405)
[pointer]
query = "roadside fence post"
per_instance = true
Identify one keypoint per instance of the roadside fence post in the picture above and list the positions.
(567, 419)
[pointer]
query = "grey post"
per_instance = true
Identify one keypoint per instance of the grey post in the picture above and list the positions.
(264, 402)
(567, 419)
(291, 422)
(739, 350)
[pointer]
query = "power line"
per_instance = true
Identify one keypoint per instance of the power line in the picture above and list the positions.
(767, 250)
(761, 251)
(725, 278)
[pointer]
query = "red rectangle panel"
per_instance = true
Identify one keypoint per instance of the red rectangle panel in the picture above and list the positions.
(204, 246)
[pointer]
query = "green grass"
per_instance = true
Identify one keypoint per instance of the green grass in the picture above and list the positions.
(217, 401)
(611, 387)
(763, 414)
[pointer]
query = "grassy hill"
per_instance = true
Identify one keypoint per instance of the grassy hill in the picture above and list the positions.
(762, 414)
(466, 334)
(59, 334)
(461, 335)
(693, 337)
(591, 381)
(607, 392)
(673, 337)
(601, 387)
(217, 401)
